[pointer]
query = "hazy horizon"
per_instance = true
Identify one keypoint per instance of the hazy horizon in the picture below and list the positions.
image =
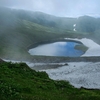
(64, 8)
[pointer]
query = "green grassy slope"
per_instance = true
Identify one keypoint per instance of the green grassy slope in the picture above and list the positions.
(19, 29)
(19, 82)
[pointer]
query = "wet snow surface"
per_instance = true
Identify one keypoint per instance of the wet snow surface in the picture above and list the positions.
(79, 74)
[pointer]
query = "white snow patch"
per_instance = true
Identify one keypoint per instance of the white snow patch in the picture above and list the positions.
(74, 29)
(74, 25)
(79, 74)
(94, 48)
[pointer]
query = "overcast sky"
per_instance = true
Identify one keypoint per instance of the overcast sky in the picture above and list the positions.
(64, 8)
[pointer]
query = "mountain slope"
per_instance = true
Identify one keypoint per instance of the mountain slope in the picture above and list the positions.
(18, 81)
(19, 29)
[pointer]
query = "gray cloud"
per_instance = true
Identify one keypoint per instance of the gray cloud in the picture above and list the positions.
(72, 8)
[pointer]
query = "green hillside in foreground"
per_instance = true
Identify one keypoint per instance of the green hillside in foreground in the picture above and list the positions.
(19, 82)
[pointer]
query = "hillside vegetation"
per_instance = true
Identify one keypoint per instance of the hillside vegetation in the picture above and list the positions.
(19, 29)
(19, 82)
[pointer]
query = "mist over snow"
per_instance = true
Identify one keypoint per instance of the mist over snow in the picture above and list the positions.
(64, 8)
